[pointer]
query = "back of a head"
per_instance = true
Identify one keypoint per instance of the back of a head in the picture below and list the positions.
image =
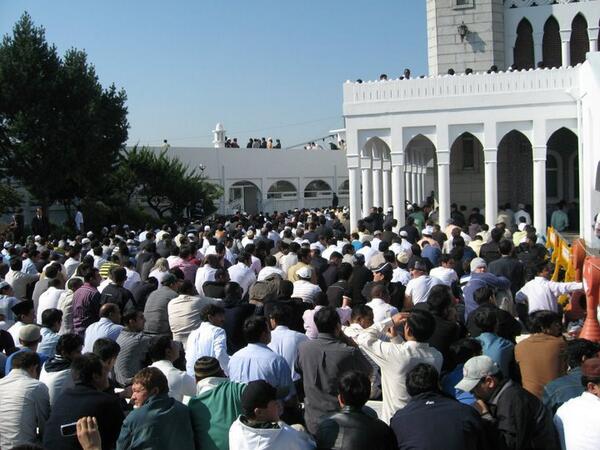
(51, 316)
(254, 327)
(159, 348)
(464, 349)
(152, 378)
(327, 320)
(281, 314)
(580, 349)
(52, 270)
(68, 343)
(25, 360)
(540, 321)
(106, 349)
(118, 275)
(187, 288)
(354, 388)
(497, 234)
(211, 310)
(439, 299)
(486, 319)
(421, 324)
(344, 271)
(505, 246)
(421, 379)
(16, 264)
(483, 295)
(84, 368)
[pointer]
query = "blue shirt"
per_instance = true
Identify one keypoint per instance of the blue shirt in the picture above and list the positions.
(49, 340)
(450, 380)
(285, 342)
(104, 328)
(8, 365)
(501, 350)
(259, 362)
(477, 281)
(562, 389)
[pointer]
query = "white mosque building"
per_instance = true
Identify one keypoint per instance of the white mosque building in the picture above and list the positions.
(526, 133)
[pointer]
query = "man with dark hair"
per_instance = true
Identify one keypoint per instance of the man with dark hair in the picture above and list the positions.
(65, 304)
(542, 357)
(341, 288)
(158, 421)
(577, 419)
(116, 293)
(209, 339)
(109, 326)
(156, 308)
(260, 426)
(491, 250)
(501, 350)
(52, 271)
(508, 266)
(354, 426)
(56, 372)
(241, 272)
(87, 398)
(135, 346)
(508, 326)
(49, 298)
(24, 401)
(513, 418)
(164, 352)
(86, 301)
(396, 359)
(24, 315)
(285, 342)
(569, 386)
(51, 322)
(257, 361)
(321, 362)
(142, 291)
(432, 420)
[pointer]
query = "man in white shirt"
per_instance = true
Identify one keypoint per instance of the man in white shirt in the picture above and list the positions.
(79, 221)
(206, 272)
(49, 298)
(19, 280)
(541, 293)
(578, 419)
(284, 341)
(522, 213)
(241, 272)
(396, 360)
(303, 288)
(25, 402)
(107, 327)
(382, 310)
(418, 288)
(270, 269)
(368, 252)
(163, 353)
(72, 261)
(445, 272)
(209, 339)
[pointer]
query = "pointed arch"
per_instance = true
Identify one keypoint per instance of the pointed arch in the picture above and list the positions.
(467, 178)
(523, 54)
(580, 41)
(551, 44)
(563, 172)
(515, 169)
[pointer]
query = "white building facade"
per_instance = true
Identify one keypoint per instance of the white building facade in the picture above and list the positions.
(484, 139)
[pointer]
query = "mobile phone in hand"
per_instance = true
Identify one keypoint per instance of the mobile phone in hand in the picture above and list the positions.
(69, 429)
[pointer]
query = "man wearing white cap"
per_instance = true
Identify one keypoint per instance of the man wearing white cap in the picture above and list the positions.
(303, 288)
(522, 213)
(515, 418)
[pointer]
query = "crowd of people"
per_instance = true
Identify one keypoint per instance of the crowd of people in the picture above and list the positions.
(294, 331)
(259, 143)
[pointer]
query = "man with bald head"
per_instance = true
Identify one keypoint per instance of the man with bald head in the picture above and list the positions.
(109, 326)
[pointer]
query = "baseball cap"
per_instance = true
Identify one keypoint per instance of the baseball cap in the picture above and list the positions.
(403, 233)
(315, 246)
(30, 333)
(304, 272)
(257, 394)
(476, 263)
(474, 370)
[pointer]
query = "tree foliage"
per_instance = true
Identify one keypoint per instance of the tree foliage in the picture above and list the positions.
(165, 183)
(61, 132)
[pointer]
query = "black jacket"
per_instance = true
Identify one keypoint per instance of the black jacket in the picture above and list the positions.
(518, 420)
(78, 402)
(360, 276)
(432, 421)
(352, 428)
(511, 268)
(508, 326)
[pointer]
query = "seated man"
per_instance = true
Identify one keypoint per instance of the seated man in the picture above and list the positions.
(353, 426)
(164, 352)
(259, 426)
(158, 421)
(216, 406)
(456, 425)
(109, 326)
(56, 372)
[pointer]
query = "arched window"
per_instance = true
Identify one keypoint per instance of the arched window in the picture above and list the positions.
(551, 44)
(317, 188)
(523, 52)
(580, 42)
(344, 188)
(282, 189)
(551, 176)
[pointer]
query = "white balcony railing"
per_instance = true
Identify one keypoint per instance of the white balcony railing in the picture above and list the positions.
(528, 3)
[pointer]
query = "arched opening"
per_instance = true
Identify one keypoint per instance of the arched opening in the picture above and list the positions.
(282, 189)
(344, 189)
(579, 42)
(420, 151)
(317, 189)
(523, 55)
(551, 44)
(515, 170)
(467, 176)
(246, 196)
(562, 174)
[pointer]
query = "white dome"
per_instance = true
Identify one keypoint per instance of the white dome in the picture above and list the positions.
(219, 127)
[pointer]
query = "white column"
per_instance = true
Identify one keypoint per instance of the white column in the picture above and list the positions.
(367, 189)
(377, 188)
(565, 36)
(354, 196)
(420, 184)
(539, 189)
(387, 188)
(413, 185)
(407, 186)
(593, 34)
(398, 193)
(443, 168)
(491, 185)
(538, 52)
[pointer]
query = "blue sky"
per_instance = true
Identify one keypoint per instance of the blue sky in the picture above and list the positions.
(262, 67)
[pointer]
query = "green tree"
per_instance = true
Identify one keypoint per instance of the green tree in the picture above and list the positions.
(165, 183)
(60, 131)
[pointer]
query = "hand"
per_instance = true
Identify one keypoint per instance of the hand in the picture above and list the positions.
(481, 407)
(346, 301)
(88, 434)
(400, 318)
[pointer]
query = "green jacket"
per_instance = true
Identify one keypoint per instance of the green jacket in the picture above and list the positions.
(161, 423)
(213, 412)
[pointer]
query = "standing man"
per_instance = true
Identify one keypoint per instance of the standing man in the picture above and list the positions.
(39, 224)
(79, 228)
